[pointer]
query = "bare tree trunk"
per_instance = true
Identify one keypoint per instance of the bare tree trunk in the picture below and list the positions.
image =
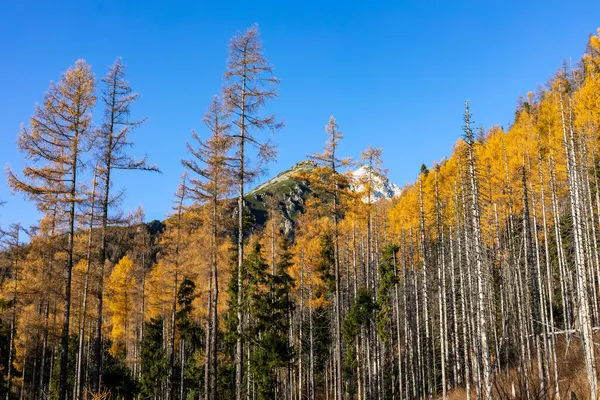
(300, 330)
(534, 281)
(482, 324)
(549, 286)
(584, 315)
(398, 331)
(503, 307)
(215, 299)
(78, 389)
(441, 290)
(465, 330)
(64, 354)
(44, 350)
(22, 391)
(442, 311)
(311, 394)
(13, 321)
(592, 240)
(428, 373)
(208, 342)
(564, 279)
(171, 379)
(182, 372)
(456, 370)
(417, 350)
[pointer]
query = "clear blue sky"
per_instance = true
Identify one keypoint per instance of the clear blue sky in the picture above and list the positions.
(394, 73)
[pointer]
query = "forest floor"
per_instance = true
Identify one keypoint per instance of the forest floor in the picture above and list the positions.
(572, 376)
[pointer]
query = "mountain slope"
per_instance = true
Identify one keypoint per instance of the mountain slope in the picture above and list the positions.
(288, 194)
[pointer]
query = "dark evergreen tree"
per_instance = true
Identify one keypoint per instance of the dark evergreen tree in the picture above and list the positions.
(387, 281)
(191, 337)
(269, 306)
(360, 315)
(326, 263)
(154, 362)
(117, 377)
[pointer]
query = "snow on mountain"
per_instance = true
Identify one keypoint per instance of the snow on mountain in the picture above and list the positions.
(382, 187)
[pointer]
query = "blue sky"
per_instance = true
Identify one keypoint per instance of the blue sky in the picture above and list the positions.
(394, 73)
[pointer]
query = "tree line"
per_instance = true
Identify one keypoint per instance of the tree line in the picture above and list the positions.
(480, 279)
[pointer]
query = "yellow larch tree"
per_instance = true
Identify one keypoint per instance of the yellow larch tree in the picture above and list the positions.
(120, 290)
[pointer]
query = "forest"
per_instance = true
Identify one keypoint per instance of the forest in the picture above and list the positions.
(480, 280)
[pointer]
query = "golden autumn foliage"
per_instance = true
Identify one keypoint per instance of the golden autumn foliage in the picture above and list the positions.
(307, 256)
(534, 140)
(120, 296)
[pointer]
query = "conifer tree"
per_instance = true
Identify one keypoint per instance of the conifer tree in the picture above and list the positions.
(173, 249)
(210, 183)
(387, 282)
(360, 314)
(120, 304)
(478, 250)
(78, 388)
(330, 182)
(268, 307)
(154, 365)
(188, 330)
(59, 133)
(112, 141)
(249, 85)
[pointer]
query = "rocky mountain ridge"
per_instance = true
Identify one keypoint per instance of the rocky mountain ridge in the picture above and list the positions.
(382, 187)
(288, 194)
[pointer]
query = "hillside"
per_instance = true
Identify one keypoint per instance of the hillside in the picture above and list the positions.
(284, 192)
(289, 194)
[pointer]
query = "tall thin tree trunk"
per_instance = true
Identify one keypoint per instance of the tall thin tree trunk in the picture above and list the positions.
(534, 282)
(78, 374)
(441, 290)
(215, 299)
(428, 372)
(13, 325)
(482, 324)
(549, 286)
(64, 354)
(239, 347)
(208, 342)
(300, 330)
(584, 315)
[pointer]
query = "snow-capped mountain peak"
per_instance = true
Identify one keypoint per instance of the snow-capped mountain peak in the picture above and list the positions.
(382, 187)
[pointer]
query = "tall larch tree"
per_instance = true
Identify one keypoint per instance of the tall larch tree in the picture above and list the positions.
(210, 182)
(250, 83)
(78, 387)
(482, 314)
(330, 181)
(58, 135)
(120, 304)
(112, 141)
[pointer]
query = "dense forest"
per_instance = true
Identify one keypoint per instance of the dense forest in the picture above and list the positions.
(480, 280)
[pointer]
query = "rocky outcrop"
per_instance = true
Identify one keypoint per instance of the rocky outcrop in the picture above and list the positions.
(382, 187)
(284, 193)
